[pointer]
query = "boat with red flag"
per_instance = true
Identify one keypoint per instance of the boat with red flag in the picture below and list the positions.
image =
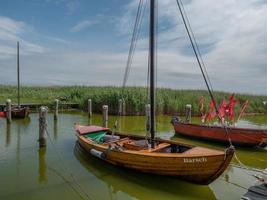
(225, 131)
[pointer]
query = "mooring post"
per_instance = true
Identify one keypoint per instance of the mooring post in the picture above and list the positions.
(42, 126)
(120, 106)
(8, 111)
(105, 115)
(147, 110)
(89, 108)
(123, 108)
(188, 111)
(56, 109)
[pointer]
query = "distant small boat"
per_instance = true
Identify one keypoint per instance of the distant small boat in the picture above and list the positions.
(191, 163)
(238, 136)
(19, 111)
(2, 114)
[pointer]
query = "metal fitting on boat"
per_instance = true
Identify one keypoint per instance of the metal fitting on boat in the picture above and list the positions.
(98, 154)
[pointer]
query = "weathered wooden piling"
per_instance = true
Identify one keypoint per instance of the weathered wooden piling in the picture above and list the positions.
(56, 102)
(147, 110)
(42, 126)
(120, 107)
(188, 112)
(123, 108)
(105, 115)
(89, 108)
(8, 111)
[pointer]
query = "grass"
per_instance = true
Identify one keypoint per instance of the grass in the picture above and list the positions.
(168, 101)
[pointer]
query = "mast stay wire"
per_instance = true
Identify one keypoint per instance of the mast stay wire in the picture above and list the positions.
(134, 39)
(196, 44)
(202, 71)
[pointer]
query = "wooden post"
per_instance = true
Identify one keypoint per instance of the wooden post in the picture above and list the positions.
(120, 106)
(89, 107)
(105, 115)
(147, 110)
(8, 111)
(42, 126)
(188, 111)
(123, 108)
(56, 109)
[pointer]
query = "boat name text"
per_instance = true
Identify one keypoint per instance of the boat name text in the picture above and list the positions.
(195, 160)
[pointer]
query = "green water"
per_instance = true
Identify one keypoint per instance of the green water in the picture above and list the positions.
(63, 171)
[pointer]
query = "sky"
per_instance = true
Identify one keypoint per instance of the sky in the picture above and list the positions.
(86, 42)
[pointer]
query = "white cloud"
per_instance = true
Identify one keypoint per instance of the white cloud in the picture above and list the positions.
(11, 31)
(83, 25)
(232, 34)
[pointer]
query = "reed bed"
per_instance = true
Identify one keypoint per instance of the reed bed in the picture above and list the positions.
(169, 101)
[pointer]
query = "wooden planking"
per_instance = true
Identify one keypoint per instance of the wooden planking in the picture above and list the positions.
(239, 136)
(171, 164)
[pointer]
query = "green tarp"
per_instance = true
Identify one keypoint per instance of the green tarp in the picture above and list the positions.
(97, 136)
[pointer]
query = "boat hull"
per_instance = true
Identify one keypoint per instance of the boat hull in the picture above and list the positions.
(20, 113)
(238, 136)
(198, 165)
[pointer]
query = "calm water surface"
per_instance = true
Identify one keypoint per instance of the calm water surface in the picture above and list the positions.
(63, 171)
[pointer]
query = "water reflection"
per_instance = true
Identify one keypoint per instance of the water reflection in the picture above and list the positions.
(8, 133)
(28, 172)
(55, 129)
(42, 165)
(89, 120)
(139, 185)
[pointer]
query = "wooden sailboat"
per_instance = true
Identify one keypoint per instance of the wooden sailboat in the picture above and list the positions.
(19, 111)
(238, 136)
(150, 155)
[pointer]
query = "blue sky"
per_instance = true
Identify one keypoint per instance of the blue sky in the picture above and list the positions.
(86, 42)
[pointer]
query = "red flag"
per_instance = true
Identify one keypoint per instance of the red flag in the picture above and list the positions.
(222, 108)
(230, 107)
(210, 115)
(212, 103)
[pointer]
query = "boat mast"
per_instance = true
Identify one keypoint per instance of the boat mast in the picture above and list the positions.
(152, 70)
(18, 74)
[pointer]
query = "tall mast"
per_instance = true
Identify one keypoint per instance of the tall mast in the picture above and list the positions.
(152, 70)
(18, 74)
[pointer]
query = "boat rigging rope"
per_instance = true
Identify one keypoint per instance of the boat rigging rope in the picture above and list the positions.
(134, 39)
(197, 53)
(135, 35)
(67, 170)
(196, 44)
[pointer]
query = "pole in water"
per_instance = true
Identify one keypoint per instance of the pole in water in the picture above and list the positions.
(56, 109)
(147, 110)
(42, 126)
(120, 106)
(89, 108)
(105, 115)
(8, 111)
(188, 113)
(123, 108)
(18, 74)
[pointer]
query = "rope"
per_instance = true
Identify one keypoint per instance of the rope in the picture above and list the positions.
(196, 44)
(135, 36)
(67, 170)
(201, 68)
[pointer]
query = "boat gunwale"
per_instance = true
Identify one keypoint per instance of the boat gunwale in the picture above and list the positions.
(257, 131)
(215, 153)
